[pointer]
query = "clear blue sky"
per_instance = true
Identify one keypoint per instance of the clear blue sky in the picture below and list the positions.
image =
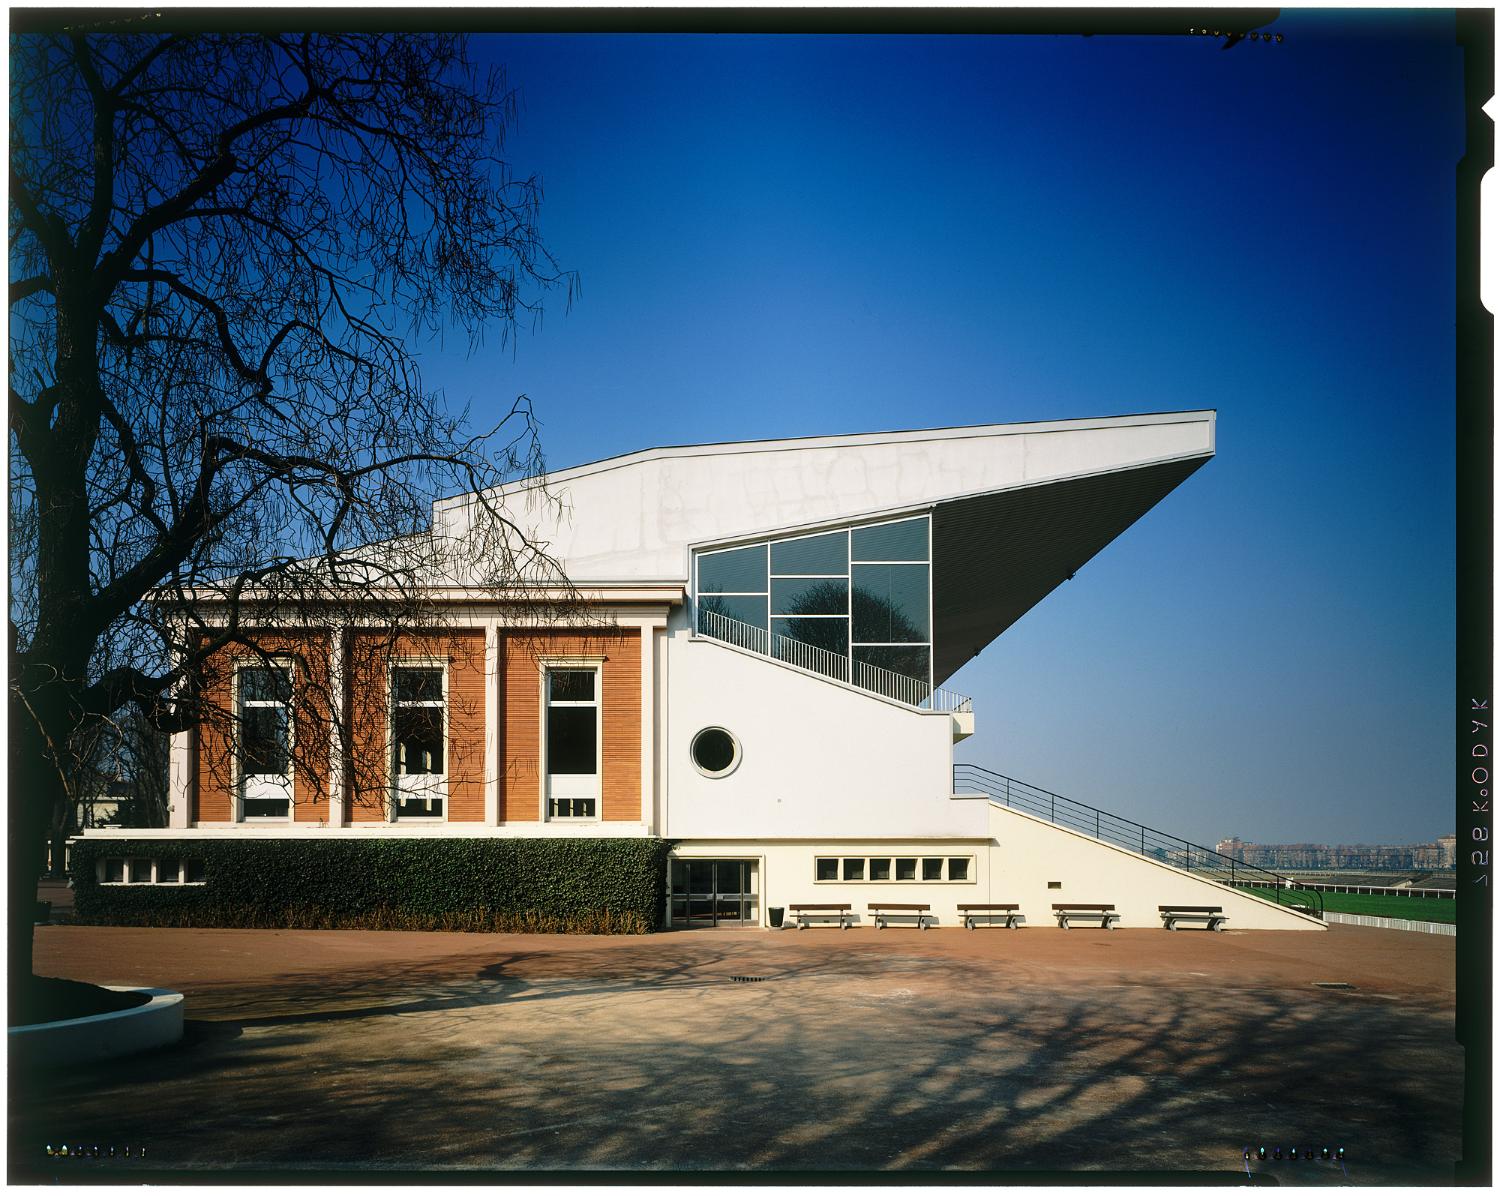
(792, 235)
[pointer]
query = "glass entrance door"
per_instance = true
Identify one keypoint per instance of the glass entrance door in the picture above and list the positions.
(714, 893)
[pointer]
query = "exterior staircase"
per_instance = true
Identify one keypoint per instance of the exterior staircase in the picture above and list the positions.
(1133, 836)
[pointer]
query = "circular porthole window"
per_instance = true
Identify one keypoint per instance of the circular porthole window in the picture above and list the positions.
(716, 752)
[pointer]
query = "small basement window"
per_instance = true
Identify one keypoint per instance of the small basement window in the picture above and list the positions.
(902, 870)
(142, 871)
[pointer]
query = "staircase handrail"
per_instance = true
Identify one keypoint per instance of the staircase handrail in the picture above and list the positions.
(1135, 836)
(909, 691)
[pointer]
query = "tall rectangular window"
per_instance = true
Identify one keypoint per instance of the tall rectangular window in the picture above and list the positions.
(265, 741)
(573, 782)
(419, 727)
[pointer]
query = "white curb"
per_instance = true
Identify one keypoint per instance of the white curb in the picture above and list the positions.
(104, 1035)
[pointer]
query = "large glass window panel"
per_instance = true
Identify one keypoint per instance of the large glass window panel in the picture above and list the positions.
(735, 571)
(419, 740)
(731, 877)
(743, 610)
(809, 596)
(831, 635)
(903, 541)
(266, 741)
(572, 685)
(890, 604)
(812, 554)
(418, 685)
(572, 740)
(420, 806)
(908, 662)
(265, 685)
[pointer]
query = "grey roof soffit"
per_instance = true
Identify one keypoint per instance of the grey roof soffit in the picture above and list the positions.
(995, 556)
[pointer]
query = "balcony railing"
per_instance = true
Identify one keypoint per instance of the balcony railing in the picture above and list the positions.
(910, 691)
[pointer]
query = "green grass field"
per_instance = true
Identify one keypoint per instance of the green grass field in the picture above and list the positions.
(1418, 909)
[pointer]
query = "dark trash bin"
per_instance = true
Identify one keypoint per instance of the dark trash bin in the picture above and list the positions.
(777, 914)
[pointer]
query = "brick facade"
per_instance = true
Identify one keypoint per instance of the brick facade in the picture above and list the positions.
(215, 773)
(369, 656)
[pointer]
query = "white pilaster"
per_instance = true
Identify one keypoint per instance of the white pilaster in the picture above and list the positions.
(337, 783)
(648, 726)
(180, 780)
(180, 765)
(492, 722)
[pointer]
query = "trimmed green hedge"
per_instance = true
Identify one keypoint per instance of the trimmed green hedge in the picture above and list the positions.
(549, 886)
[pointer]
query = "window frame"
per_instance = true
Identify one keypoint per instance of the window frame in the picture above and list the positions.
(396, 793)
(129, 879)
(239, 777)
(848, 530)
(734, 762)
(893, 858)
(546, 666)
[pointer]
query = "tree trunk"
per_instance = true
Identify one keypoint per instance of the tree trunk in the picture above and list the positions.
(35, 790)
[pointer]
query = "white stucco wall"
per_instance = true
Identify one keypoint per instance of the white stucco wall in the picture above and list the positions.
(784, 874)
(1013, 863)
(817, 759)
(634, 518)
(1029, 852)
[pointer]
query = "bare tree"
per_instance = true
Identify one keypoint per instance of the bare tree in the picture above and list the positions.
(226, 252)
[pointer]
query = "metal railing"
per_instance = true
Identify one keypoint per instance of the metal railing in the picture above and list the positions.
(910, 691)
(1123, 832)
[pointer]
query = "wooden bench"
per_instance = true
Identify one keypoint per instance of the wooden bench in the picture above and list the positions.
(972, 913)
(1211, 915)
(806, 915)
(884, 911)
(1105, 913)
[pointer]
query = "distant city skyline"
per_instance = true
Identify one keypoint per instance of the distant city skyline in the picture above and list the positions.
(1440, 853)
(799, 235)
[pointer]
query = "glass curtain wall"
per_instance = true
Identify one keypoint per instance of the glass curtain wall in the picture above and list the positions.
(855, 604)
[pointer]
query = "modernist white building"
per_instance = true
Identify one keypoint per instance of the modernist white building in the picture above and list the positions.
(771, 627)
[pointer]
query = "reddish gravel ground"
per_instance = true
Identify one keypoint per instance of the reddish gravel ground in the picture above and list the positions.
(859, 1051)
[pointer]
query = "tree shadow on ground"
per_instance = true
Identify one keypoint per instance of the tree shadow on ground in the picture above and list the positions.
(859, 1058)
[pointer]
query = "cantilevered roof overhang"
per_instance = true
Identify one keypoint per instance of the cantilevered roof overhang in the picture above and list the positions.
(995, 556)
(1016, 508)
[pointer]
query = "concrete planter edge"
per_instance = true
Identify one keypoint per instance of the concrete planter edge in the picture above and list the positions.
(104, 1035)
